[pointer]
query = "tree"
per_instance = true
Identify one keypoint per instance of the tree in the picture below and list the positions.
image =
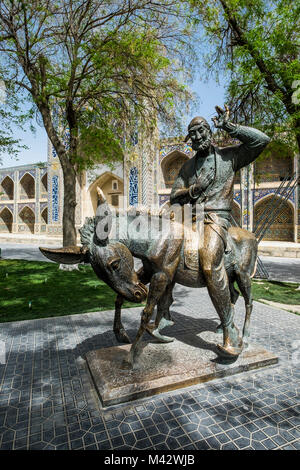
(255, 43)
(93, 68)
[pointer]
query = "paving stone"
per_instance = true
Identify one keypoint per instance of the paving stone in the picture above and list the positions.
(47, 393)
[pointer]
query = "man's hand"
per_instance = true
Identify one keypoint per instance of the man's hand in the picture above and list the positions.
(222, 118)
(202, 183)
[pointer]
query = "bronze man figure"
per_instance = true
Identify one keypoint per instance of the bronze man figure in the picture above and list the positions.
(207, 179)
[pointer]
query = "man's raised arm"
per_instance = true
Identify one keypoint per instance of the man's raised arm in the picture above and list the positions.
(253, 140)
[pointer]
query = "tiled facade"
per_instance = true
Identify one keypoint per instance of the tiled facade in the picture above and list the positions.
(32, 195)
(23, 199)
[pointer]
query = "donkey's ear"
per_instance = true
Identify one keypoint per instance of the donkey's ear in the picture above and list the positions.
(67, 254)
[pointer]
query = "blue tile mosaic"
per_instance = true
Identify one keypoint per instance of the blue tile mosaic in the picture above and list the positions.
(133, 186)
(55, 198)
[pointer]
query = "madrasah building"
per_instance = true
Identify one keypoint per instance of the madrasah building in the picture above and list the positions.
(31, 196)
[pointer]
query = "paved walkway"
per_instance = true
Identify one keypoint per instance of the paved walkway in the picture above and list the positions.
(48, 401)
(21, 251)
(282, 269)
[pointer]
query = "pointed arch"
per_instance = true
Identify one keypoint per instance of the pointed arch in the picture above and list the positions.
(282, 228)
(6, 220)
(170, 166)
(7, 187)
(27, 217)
(27, 186)
(112, 192)
(44, 216)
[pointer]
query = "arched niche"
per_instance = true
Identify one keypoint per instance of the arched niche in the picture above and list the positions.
(44, 216)
(27, 217)
(170, 166)
(27, 187)
(7, 187)
(112, 187)
(6, 220)
(282, 228)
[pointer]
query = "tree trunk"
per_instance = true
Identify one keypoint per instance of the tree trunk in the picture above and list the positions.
(69, 230)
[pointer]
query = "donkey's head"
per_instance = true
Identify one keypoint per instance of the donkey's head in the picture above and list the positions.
(114, 264)
(112, 261)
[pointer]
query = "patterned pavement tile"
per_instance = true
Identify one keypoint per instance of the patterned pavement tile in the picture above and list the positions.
(47, 398)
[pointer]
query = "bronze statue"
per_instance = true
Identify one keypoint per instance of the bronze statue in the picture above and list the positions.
(229, 253)
(208, 179)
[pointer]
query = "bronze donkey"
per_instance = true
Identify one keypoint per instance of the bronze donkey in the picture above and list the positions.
(163, 266)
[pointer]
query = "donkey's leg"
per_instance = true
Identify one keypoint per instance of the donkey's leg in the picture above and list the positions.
(119, 329)
(163, 316)
(158, 285)
(244, 283)
(234, 295)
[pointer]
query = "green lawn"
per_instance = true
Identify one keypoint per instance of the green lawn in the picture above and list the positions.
(35, 289)
(283, 292)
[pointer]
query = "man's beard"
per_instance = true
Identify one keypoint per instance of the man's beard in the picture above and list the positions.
(202, 146)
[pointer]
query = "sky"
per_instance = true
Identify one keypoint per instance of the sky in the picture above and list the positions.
(209, 93)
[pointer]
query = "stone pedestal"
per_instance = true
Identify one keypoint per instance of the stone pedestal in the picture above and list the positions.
(164, 367)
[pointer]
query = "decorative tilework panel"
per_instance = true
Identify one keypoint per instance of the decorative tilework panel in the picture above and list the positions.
(54, 154)
(185, 148)
(282, 227)
(260, 193)
(133, 186)
(30, 172)
(31, 205)
(55, 202)
(163, 198)
(237, 197)
(66, 141)
(9, 206)
(4, 175)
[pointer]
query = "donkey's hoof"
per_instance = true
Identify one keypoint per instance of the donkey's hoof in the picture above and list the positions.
(162, 338)
(156, 334)
(230, 352)
(122, 336)
(164, 322)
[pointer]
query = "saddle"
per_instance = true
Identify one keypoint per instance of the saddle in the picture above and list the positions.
(193, 242)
